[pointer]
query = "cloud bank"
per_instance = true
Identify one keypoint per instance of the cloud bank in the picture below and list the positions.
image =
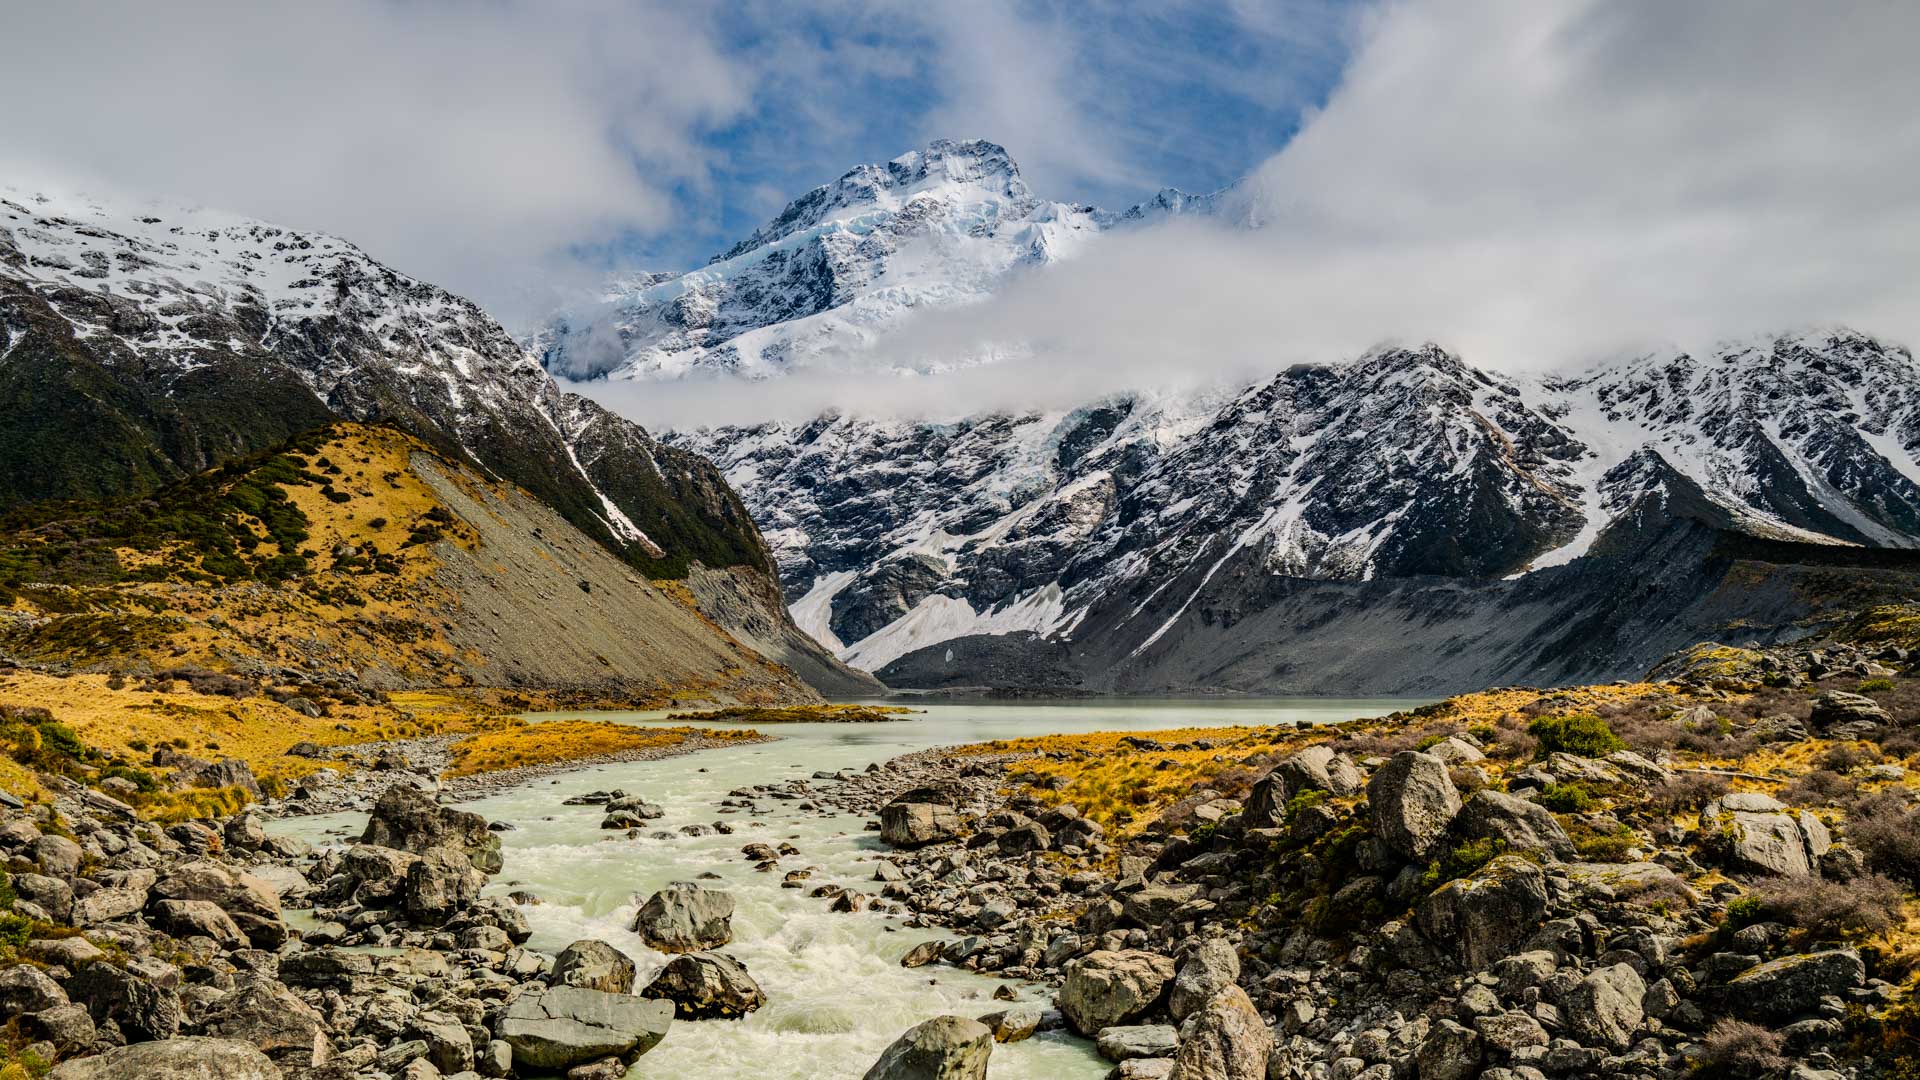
(1531, 184)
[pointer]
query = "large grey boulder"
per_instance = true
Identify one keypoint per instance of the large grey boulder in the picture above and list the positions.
(1839, 707)
(1124, 1042)
(252, 903)
(1450, 1052)
(685, 917)
(943, 1048)
(563, 1026)
(272, 1019)
(1105, 988)
(25, 988)
(1781, 990)
(1519, 824)
(1485, 916)
(594, 965)
(1211, 967)
(1413, 801)
(1754, 833)
(707, 986)
(188, 1058)
(142, 1008)
(439, 884)
(198, 918)
(1605, 1008)
(916, 824)
(409, 819)
(1225, 1040)
(1316, 768)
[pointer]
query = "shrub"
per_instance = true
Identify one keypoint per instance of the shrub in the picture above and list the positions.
(1609, 846)
(15, 930)
(1876, 686)
(1887, 831)
(1569, 798)
(1305, 800)
(1735, 1048)
(1745, 911)
(1821, 787)
(1461, 861)
(1578, 733)
(1832, 910)
(1842, 758)
(61, 739)
(1685, 793)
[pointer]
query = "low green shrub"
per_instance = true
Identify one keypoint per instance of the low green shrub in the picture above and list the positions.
(1568, 798)
(1577, 733)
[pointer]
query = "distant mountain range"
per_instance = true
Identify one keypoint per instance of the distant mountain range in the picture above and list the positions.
(1137, 542)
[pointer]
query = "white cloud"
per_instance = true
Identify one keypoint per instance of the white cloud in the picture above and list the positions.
(1529, 183)
(465, 144)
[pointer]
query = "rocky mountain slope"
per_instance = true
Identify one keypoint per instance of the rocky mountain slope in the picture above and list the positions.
(1404, 522)
(357, 557)
(137, 348)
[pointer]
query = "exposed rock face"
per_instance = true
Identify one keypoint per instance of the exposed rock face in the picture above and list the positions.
(707, 986)
(943, 1048)
(566, 1026)
(1413, 802)
(408, 819)
(685, 917)
(1105, 988)
(1225, 1040)
(185, 1058)
(1521, 825)
(1792, 986)
(594, 965)
(1485, 916)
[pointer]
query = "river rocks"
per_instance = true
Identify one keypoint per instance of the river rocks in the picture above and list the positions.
(685, 917)
(1780, 990)
(1482, 918)
(409, 819)
(564, 1026)
(916, 824)
(1210, 968)
(189, 1058)
(1604, 1009)
(1412, 801)
(1015, 1024)
(1515, 822)
(1105, 987)
(923, 954)
(594, 965)
(943, 1048)
(707, 986)
(439, 884)
(1224, 1040)
(1126, 1042)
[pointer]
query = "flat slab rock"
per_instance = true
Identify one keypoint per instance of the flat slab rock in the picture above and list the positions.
(566, 1025)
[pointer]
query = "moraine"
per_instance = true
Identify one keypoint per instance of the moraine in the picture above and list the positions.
(837, 995)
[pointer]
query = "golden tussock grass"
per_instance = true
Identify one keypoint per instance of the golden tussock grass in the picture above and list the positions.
(798, 714)
(516, 744)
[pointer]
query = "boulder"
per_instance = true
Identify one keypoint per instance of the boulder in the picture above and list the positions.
(272, 1019)
(1152, 906)
(685, 917)
(406, 818)
(1317, 768)
(245, 831)
(189, 1058)
(1211, 967)
(1520, 824)
(53, 896)
(1780, 990)
(943, 1048)
(57, 855)
(143, 1009)
(1015, 1024)
(252, 904)
(707, 986)
(916, 824)
(1753, 833)
(563, 1026)
(1455, 750)
(198, 918)
(593, 965)
(68, 1027)
(1412, 801)
(1839, 707)
(1485, 916)
(106, 905)
(1124, 1042)
(1225, 1040)
(225, 773)
(1106, 987)
(25, 989)
(1449, 1052)
(1604, 1009)
(449, 1043)
(439, 884)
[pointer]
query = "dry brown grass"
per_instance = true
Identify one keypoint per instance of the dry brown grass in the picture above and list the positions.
(517, 744)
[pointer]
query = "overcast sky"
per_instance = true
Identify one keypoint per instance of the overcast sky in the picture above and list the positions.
(1529, 182)
(511, 150)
